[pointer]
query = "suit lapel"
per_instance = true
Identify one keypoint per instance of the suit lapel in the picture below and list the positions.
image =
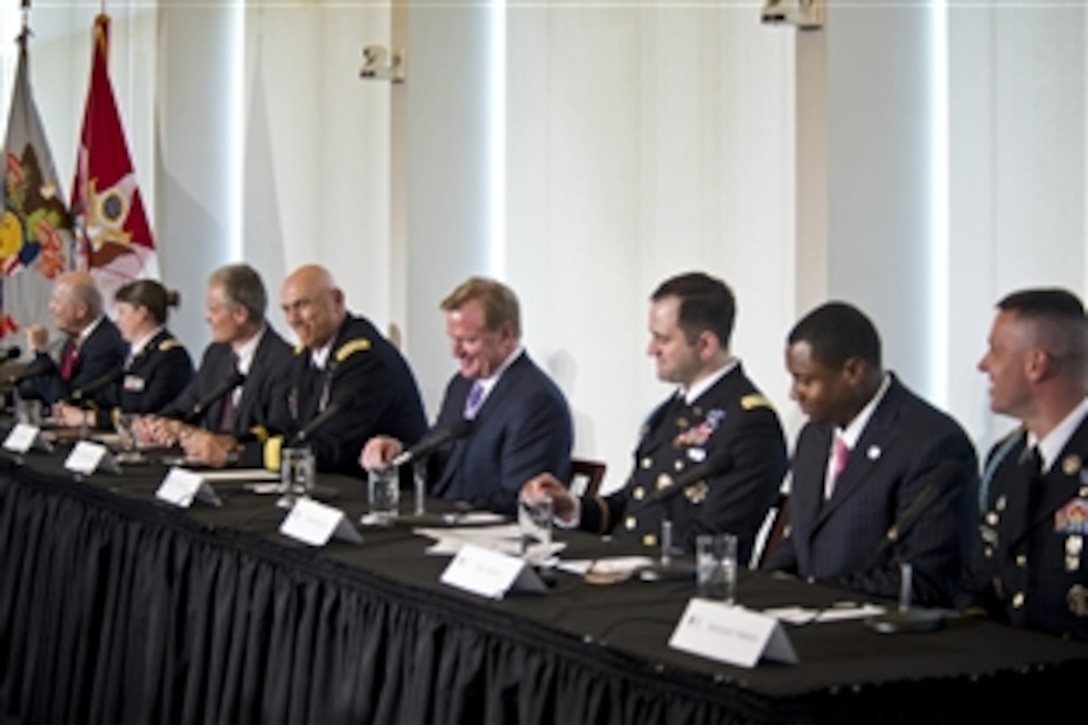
(868, 453)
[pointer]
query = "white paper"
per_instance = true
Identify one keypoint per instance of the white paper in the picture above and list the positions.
(85, 457)
(731, 634)
(21, 438)
(241, 474)
(489, 573)
(835, 613)
(314, 523)
(505, 539)
(614, 565)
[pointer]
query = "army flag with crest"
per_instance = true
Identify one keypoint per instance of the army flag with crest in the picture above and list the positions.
(114, 240)
(36, 242)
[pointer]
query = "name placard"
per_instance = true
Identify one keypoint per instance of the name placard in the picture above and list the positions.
(489, 573)
(86, 457)
(731, 634)
(21, 438)
(181, 487)
(315, 523)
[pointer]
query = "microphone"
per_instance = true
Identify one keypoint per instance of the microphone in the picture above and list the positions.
(435, 440)
(11, 353)
(905, 618)
(715, 464)
(34, 370)
(81, 394)
(322, 418)
(221, 390)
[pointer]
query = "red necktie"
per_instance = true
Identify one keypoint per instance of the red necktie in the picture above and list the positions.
(68, 360)
(840, 454)
(226, 419)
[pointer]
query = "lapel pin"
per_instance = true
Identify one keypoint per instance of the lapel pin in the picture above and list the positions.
(873, 453)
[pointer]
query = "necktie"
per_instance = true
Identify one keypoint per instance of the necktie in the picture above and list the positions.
(226, 418)
(474, 401)
(1032, 462)
(68, 360)
(840, 454)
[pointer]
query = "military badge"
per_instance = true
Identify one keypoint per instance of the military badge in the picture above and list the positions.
(700, 433)
(1071, 464)
(697, 493)
(1072, 518)
(1073, 547)
(1000, 503)
(698, 455)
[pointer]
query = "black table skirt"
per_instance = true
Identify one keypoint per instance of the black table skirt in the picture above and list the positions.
(117, 609)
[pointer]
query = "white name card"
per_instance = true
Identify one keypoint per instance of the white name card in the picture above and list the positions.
(86, 457)
(731, 634)
(314, 523)
(490, 573)
(21, 438)
(181, 487)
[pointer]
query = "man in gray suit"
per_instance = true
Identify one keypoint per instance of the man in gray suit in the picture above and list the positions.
(242, 342)
(880, 477)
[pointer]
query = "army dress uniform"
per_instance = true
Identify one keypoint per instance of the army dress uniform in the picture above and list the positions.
(152, 378)
(732, 418)
(1030, 567)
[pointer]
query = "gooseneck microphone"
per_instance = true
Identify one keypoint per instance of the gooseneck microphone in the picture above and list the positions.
(322, 418)
(436, 439)
(220, 391)
(81, 394)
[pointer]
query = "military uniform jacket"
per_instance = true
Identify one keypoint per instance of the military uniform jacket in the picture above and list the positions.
(907, 446)
(731, 415)
(523, 428)
(102, 352)
(1030, 566)
(375, 393)
(151, 379)
(262, 405)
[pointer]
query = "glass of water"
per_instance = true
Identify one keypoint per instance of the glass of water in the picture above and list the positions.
(716, 567)
(296, 475)
(383, 494)
(535, 528)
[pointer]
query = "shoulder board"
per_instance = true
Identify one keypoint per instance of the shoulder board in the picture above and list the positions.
(755, 400)
(351, 347)
(168, 344)
(299, 349)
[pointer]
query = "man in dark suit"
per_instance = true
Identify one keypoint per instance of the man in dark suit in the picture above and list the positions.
(214, 416)
(92, 349)
(1028, 568)
(521, 422)
(717, 415)
(344, 371)
(872, 456)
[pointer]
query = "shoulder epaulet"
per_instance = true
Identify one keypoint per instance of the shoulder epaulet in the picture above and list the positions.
(168, 344)
(351, 347)
(755, 400)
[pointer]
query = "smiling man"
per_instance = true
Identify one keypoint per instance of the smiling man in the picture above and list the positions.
(1029, 569)
(716, 417)
(521, 422)
(872, 456)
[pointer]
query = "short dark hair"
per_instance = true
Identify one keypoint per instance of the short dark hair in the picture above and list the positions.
(150, 294)
(1059, 320)
(836, 332)
(243, 287)
(706, 303)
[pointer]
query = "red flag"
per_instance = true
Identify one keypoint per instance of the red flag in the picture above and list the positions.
(115, 241)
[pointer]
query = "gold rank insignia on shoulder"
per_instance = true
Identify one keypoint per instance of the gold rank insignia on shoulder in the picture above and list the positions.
(1071, 464)
(697, 492)
(168, 344)
(351, 347)
(755, 400)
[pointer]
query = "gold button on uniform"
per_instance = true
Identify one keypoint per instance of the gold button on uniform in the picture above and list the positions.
(988, 551)
(678, 464)
(649, 540)
(991, 518)
(630, 522)
(646, 462)
(1018, 600)
(1021, 561)
(638, 493)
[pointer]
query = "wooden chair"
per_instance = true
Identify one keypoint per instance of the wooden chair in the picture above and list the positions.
(779, 519)
(586, 476)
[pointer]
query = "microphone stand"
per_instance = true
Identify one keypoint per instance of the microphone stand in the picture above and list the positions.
(666, 568)
(906, 619)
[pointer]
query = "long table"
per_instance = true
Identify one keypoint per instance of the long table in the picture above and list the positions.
(116, 608)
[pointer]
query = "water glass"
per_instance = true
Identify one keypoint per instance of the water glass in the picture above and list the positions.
(535, 527)
(716, 567)
(383, 493)
(29, 412)
(296, 475)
